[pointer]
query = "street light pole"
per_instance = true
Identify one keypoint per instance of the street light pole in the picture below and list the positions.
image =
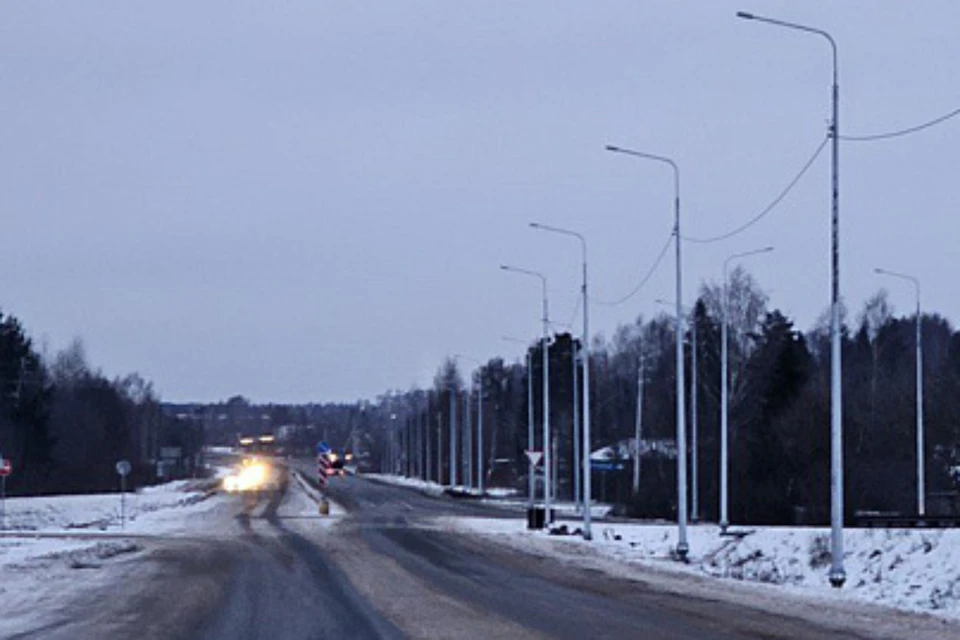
(724, 381)
(468, 437)
(638, 425)
(682, 546)
(547, 470)
(694, 418)
(587, 493)
(837, 573)
(453, 433)
(530, 443)
(479, 422)
(577, 462)
(921, 493)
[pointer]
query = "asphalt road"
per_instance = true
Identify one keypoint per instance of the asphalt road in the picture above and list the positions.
(272, 569)
(538, 597)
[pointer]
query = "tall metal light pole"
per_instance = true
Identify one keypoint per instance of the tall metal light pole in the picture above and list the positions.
(530, 443)
(547, 469)
(638, 426)
(577, 462)
(391, 451)
(479, 421)
(467, 452)
(724, 394)
(453, 434)
(587, 494)
(682, 546)
(427, 452)
(837, 573)
(694, 418)
(921, 493)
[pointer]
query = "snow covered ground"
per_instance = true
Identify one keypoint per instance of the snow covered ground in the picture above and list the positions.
(62, 549)
(430, 488)
(36, 527)
(496, 496)
(912, 570)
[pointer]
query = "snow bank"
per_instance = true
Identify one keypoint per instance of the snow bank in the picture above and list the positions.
(500, 495)
(429, 488)
(914, 570)
(83, 530)
(94, 512)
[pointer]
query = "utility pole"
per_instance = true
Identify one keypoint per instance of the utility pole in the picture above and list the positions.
(453, 434)
(439, 447)
(480, 476)
(532, 489)
(545, 347)
(638, 431)
(467, 439)
(694, 418)
(577, 462)
(838, 574)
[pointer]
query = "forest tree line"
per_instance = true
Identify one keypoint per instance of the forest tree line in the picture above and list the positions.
(779, 412)
(779, 419)
(64, 425)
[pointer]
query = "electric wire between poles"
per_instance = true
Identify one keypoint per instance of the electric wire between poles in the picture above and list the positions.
(903, 132)
(770, 207)
(646, 278)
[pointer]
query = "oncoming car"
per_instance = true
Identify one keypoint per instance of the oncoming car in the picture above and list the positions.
(252, 475)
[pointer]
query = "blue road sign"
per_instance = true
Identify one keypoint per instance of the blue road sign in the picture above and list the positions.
(606, 466)
(322, 448)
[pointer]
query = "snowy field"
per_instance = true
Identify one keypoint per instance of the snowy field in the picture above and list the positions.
(906, 569)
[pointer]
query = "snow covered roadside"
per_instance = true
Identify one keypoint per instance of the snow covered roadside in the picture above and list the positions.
(428, 488)
(496, 496)
(910, 570)
(42, 526)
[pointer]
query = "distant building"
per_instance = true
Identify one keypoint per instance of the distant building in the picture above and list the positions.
(626, 449)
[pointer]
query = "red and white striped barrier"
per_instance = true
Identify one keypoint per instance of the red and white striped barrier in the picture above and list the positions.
(324, 467)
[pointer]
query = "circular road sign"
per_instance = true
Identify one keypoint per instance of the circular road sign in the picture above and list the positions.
(123, 467)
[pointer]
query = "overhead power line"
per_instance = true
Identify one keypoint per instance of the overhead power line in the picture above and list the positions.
(902, 132)
(770, 207)
(640, 285)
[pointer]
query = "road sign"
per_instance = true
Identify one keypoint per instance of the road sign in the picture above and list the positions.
(603, 465)
(534, 456)
(323, 448)
(123, 467)
(6, 467)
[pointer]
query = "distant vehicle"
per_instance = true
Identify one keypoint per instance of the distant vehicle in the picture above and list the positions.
(265, 445)
(339, 463)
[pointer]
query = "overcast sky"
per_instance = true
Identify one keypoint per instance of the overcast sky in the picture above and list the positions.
(309, 200)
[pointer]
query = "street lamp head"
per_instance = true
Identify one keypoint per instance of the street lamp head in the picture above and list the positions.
(878, 270)
(505, 267)
(610, 147)
(766, 250)
(745, 15)
(536, 225)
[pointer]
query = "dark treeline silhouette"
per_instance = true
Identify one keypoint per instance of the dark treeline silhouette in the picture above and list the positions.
(64, 425)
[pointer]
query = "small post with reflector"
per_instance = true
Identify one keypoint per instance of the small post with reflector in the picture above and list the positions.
(6, 468)
(123, 469)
